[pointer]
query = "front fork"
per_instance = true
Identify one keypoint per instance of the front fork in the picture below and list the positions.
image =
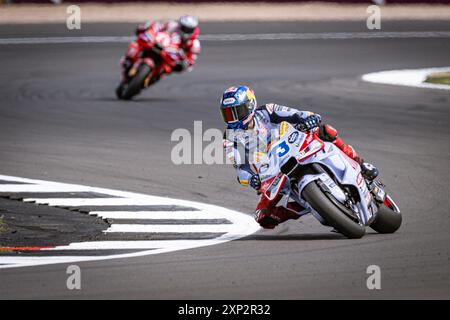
(377, 188)
(130, 70)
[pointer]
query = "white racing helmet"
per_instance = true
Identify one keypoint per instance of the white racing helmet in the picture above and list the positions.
(188, 24)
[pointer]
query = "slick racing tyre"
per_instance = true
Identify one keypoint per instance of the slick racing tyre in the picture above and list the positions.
(119, 90)
(331, 213)
(386, 220)
(135, 85)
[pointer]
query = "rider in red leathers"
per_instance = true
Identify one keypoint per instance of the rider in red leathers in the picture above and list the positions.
(183, 32)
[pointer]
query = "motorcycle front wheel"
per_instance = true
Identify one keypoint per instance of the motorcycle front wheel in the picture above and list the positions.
(331, 213)
(126, 91)
(387, 220)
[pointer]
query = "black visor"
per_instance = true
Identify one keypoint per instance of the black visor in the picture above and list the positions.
(186, 29)
(234, 113)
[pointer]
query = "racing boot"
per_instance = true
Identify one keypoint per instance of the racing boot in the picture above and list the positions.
(270, 218)
(369, 171)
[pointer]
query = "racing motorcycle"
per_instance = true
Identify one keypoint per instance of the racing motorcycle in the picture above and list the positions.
(298, 166)
(157, 58)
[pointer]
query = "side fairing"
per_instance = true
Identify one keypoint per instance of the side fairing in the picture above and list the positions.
(347, 172)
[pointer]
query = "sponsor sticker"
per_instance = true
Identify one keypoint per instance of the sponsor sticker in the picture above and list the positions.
(293, 137)
(263, 168)
(368, 197)
(229, 101)
(231, 89)
(359, 180)
(284, 127)
(269, 108)
(240, 96)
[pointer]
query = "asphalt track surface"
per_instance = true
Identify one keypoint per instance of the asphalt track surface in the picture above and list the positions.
(60, 121)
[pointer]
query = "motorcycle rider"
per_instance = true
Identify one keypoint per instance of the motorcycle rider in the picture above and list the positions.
(240, 112)
(183, 32)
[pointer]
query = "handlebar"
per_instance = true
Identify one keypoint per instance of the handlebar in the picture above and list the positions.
(300, 127)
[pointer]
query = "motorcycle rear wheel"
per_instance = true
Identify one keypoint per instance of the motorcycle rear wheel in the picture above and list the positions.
(332, 214)
(126, 91)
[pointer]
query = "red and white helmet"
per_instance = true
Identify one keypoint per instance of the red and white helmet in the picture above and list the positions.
(188, 24)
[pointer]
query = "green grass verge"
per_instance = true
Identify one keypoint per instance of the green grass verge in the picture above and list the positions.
(3, 227)
(439, 78)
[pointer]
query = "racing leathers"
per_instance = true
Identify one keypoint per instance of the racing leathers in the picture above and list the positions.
(265, 119)
(146, 33)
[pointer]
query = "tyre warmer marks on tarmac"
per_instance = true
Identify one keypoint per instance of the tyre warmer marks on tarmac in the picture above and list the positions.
(139, 223)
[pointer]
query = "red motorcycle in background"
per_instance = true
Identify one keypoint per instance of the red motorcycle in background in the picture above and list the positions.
(159, 55)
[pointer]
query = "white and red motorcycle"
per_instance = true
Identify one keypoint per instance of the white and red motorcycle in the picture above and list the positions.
(298, 166)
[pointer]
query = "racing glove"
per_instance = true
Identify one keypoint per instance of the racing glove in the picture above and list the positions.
(181, 66)
(309, 123)
(255, 182)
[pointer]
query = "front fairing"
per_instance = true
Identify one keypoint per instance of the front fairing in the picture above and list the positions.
(308, 149)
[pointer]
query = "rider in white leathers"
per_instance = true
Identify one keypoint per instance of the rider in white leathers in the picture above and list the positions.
(238, 108)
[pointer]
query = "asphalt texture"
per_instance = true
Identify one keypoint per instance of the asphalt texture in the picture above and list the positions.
(29, 224)
(59, 120)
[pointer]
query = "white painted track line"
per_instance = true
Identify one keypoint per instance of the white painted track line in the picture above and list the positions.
(156, 215)
(241, 37)
(326, 35)
(240, 224)
(407, 77)
(14, 262)
(41, 188)
(74, 202)
(129, 245)
(170, 228)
